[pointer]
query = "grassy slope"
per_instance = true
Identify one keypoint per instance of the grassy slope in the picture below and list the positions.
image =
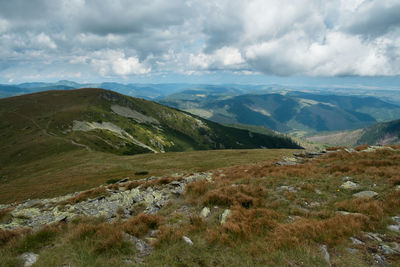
(267, 227)
(38, 125)
(379, 133)
(80, 170)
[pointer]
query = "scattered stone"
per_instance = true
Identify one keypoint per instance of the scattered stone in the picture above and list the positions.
(205, 212)
(318, 192)
(396, 219)
(154, 233)
(356, 241)
(365, 194)
(39, 212)
(314, 204)
(287, 188)
(345, 213)
(352, 250)
(397, 188)
(346, 178)
(387, 250)
(141, 246)
(349, 150)
(380, 260)
(394, 228)
(29, 258)
(325, 253)
(285, 163)
(187, 240)
(349, 185)
(224, 216)
(373, 236)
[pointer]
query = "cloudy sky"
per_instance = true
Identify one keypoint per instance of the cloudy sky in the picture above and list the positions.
(199, 40)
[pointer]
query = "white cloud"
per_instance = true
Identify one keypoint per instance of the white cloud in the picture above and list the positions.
(277, 37)
(44, 40)
(111, 62)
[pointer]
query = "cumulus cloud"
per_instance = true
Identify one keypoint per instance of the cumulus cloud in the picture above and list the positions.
(110, 62)
(114, 38)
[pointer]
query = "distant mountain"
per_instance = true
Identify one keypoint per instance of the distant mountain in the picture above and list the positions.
(47, 123)
(383, 133)
(147, 91)
(290, 112)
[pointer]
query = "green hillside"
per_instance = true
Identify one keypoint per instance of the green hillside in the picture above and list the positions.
(383, 133)
(48, 123)
(294, 112)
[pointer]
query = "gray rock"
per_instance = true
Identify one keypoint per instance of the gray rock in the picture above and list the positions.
(187, 240)
(352, 250)
(325, 254)
(346, 178)
(29, 258)
(141, 246)
(287, 188)
(380, 260)
(394, 228)
(356, 241)
(373, 236)
(396, 219)
(285, 163)
(387, 250)
(224, 216)
(205, 212)
(349, 185)
(35, 213)
(365, 194)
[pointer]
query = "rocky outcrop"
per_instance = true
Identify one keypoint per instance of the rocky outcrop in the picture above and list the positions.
(122, 202)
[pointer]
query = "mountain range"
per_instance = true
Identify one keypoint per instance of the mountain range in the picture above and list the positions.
(294, 112)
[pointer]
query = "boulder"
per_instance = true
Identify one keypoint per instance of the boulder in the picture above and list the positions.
(29, 258)
(349, 185)
(365, 194)
(205, 212)
(325, 254)
(380, 260)
(224, 216)
(394, 228)
(187, 240)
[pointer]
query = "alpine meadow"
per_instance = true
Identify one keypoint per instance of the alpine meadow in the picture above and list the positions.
(199, 133)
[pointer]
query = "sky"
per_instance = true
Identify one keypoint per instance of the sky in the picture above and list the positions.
(220, 41)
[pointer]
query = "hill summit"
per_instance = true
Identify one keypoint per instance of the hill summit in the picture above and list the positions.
(51, 122)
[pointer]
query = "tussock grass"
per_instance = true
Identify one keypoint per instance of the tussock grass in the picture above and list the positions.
(93, 193)
(267, 226)
(141, 224)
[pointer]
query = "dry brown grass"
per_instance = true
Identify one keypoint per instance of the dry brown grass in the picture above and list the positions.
(244, 195)
(110, 238)
(391, 204)
(160, 181)
(5, 214)
(370, 207)
(395, 180)
(9, 235)
(335, 148)
(92, 193)
(197, 189)
(132, 185)
(141, 224)
(246, 223)
(170, 234)
(330, 231)
(361, 147)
